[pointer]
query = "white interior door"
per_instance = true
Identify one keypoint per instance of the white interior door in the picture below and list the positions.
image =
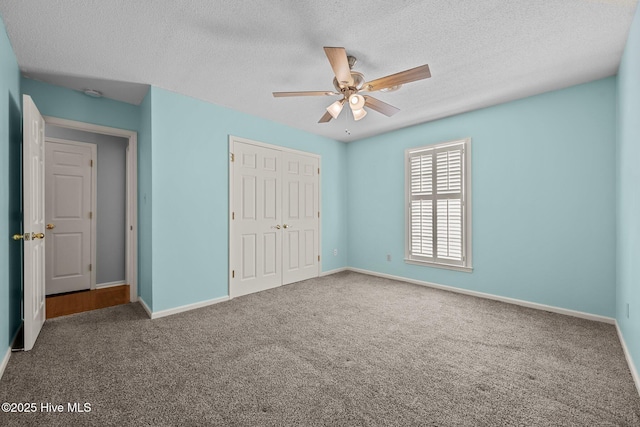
(257, 212)
(68, 215)
(300, 216)
(33, 219)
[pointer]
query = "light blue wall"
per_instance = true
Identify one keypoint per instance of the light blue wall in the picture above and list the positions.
(145, 220)
(69, 104)
(543, 183)
(628, 186)
(10, 189)
(190, 194)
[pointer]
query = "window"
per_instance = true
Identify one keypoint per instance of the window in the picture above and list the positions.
(439, 205)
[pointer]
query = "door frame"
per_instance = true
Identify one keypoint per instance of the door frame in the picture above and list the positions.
(131, 240)
(233, 139)
(94, 192)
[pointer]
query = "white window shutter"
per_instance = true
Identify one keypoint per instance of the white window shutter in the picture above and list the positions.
(449, 171)
(421, 181)
(449, 219)
(422, 228)
(436, 193)
(449, 208)
(422, 174)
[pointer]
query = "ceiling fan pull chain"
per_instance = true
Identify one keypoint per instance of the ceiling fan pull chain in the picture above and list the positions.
(346, 125)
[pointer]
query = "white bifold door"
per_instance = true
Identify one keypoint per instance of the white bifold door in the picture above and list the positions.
(300, 217)
(275, 218)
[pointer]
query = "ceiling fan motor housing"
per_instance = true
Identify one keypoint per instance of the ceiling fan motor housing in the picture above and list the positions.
(358, 81)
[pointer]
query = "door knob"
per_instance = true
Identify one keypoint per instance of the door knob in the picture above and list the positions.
(51, 226)
(277, 227)
(35, 236)
(286, 226)
(19, 236)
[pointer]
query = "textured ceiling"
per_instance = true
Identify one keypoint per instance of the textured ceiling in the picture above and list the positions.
(235, 53)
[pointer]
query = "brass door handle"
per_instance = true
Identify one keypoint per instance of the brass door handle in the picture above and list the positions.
(286, 226)
(25, 236)
(51, 226)
(35, 236)
(277, 227)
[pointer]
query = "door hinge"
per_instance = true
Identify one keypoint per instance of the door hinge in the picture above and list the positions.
(90, 267)
(318, 257)
(233, 215)
(233, 274)
(91, 162)
(318, 171)
(90, 215)
(318, 214)
(233, 158)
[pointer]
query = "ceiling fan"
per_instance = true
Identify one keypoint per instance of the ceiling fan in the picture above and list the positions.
(349, 84)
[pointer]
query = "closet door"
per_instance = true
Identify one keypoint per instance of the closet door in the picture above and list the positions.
(300, 217)
(257, 224)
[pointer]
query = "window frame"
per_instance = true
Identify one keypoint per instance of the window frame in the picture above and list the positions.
(467, 264)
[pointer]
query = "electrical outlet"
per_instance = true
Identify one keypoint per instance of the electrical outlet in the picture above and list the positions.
(335, 252)
(388, 257)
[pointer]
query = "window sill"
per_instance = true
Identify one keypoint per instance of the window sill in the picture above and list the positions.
(438, 265)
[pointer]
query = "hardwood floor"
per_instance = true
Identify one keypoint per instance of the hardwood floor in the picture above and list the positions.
(77, 302)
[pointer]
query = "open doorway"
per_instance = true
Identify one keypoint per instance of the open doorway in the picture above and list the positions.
(91, 257)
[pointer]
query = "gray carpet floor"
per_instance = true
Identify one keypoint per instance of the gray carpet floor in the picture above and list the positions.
(346, 349)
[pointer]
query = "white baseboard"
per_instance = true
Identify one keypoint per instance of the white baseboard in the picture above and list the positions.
(522, 303)
(5, 361)
(330, 272)
(7, 356)
(110, 284)
(627, 355)
(176, 310)
(146, 307)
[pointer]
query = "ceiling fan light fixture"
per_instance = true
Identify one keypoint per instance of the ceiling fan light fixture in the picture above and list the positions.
(359, 114)
(356, 102)
(335, 108)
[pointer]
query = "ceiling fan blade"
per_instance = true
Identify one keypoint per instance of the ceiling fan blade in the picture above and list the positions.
(338, 59)
(325, 118)
(407, 76)
(305, 93)
(381, 107)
